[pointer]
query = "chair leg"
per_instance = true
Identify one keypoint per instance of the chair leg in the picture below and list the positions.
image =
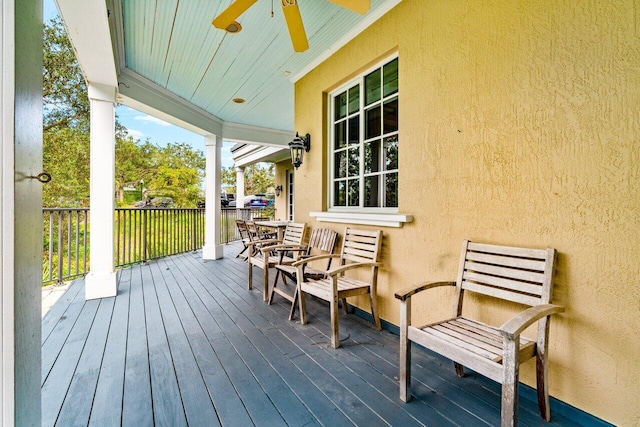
(511, 366)
(459, 369)
(374, 311)
(345, 306)
(302, 306)
(250, 285)
(273, 287)
(542, 376)
(294, 301)
(265, 285)
(405, 351)
(335, 329)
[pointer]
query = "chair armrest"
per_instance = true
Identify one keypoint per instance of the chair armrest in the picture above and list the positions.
(343, 268)
(288, 248)
(518, 323)
(405, 293)
(263, 242)
(314, 258)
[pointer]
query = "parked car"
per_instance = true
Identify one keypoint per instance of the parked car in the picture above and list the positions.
(159, 202)
(226, 199)
(258, 200)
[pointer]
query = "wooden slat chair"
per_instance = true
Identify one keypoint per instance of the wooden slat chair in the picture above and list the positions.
(508, 273)
(360, 250)
(244, 236)
(322, 241)
(263, 253)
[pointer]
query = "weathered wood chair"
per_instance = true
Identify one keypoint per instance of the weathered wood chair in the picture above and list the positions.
(266, 257)
(508, 273)
(360, 250)
(244, 237)
(321, 241)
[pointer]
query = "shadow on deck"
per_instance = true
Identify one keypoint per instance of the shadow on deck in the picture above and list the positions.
(185, 343)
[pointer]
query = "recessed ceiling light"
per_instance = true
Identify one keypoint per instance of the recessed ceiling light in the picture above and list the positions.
(238, 100)
(233, 28)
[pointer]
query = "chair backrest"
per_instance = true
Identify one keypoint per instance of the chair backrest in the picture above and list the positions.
(515, 274)
(322, 240)
(252, 231)
(361, 245)
(242, 228)
(294, 233)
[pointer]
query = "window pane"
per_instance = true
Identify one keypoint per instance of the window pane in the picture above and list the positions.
(354, 99)
(354, 161)
(372, 124)
(372, 191)
(340, 135)
(354, 130)
(340, 164)
(372, 156)
(340, 195)
(372, 87)
(390, 76)
(341, 106)
(391, 190)
(391, 153)
(354, 192)
(391, 116)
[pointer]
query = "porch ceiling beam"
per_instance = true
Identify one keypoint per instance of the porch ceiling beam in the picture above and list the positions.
(87, 25)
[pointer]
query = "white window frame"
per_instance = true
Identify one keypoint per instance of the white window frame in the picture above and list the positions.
(373, 216)
(359, 80)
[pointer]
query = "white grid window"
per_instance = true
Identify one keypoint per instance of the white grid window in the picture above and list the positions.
(364, 140)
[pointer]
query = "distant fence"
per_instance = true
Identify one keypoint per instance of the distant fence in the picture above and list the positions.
(139, 235)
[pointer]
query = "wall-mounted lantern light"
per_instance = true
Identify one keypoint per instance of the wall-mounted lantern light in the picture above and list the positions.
(278, 190)
(298, 146)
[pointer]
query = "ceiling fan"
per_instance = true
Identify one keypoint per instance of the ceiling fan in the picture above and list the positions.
(226, 20)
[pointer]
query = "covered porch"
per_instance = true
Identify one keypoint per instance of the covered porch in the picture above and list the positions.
(185, 343)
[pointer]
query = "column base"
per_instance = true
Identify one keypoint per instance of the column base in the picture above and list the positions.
(100, 285)
(212, 252)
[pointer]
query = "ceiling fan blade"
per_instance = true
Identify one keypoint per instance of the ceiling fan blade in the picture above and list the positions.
(295, 26)
(357, 6)
(231, 13)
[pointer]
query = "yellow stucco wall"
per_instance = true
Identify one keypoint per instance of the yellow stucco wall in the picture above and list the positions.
(519, 124)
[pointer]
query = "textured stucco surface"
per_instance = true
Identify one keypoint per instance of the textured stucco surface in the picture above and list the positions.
(519, 125)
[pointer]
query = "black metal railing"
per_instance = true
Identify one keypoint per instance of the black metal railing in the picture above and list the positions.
(65, 245)
(139, 235)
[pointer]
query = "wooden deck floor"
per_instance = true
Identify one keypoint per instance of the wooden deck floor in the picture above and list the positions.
(185, 343)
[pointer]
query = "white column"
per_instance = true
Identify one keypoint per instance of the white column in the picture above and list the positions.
(212, 248)
(240, 190)
(101, 280)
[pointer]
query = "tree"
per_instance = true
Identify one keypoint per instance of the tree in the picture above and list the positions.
(259, 178)
(65, 99)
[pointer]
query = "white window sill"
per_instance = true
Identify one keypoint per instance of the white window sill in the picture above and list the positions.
(381, 219)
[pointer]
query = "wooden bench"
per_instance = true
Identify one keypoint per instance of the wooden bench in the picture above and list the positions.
(508, 273)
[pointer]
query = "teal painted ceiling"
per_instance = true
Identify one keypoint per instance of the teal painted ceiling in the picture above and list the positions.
(173, 44)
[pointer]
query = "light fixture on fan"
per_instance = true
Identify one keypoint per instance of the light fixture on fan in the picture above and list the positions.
(291, 16)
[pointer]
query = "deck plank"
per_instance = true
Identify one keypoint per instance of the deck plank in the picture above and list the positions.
(107, 401)
(137, 408)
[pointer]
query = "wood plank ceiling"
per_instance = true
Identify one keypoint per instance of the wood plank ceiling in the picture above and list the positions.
(173, 44)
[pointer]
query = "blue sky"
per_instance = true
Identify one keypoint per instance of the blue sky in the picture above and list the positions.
(143, 126)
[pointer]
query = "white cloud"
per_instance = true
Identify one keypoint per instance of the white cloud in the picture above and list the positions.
(135, 134)
(150, 119)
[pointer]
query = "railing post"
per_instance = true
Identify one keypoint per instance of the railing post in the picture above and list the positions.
(60, 254)
(144, 235)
